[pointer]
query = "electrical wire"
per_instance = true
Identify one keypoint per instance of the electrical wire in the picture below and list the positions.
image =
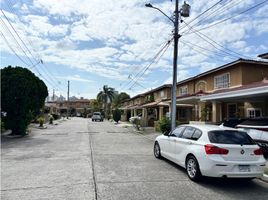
(152, 61)
(155, 61)
(212, 43)
(221, 21)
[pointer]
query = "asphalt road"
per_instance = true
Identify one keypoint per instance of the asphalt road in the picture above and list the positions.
(80, 159)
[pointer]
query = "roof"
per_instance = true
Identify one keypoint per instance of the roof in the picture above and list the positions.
(256, 88)
(264, 56)
(150, 91)
(224, 67)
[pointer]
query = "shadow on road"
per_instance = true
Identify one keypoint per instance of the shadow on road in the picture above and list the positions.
(9, 141)
(230, 186)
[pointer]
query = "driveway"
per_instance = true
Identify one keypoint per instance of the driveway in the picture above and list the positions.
(80, 159)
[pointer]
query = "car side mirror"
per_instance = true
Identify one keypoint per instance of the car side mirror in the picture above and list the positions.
(166, 133)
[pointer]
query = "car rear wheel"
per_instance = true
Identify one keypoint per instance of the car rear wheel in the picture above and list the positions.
(157, 151)
(192, 168)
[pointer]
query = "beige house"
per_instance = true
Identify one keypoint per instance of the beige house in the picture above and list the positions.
(237, 89)
(75, 107)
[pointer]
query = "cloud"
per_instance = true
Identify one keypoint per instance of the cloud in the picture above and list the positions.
(74, 78)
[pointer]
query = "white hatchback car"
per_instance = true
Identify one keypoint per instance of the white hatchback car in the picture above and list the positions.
(209, 150)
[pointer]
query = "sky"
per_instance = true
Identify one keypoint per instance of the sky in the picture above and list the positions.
(124, 44)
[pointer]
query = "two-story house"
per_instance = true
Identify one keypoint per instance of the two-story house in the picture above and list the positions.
(236, 89)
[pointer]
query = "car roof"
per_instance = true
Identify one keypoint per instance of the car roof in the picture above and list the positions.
(208, 127)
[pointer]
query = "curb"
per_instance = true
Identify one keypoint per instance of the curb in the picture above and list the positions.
(264, 178)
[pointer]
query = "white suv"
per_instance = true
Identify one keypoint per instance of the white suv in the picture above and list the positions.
(97, 117)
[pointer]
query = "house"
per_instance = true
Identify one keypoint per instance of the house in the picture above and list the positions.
(236, 89)
(76, 107)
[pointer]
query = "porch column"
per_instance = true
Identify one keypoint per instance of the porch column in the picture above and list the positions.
(201, 107)
(144, 117)
(161, 112)
(135, 112)
(216, 111)
(132, 113)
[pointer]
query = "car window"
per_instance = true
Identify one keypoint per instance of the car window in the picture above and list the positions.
(178, 131)
(229, 137)
(189, 131)
(197, 134)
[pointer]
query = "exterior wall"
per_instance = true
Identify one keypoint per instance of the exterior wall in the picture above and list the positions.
(253, 73)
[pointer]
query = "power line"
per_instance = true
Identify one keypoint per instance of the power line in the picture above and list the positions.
(16, 33)
(6, 28)
(152, 61)
(166, 47)
(11, 48)
(221, 21)
(211, 41)
(203, 12)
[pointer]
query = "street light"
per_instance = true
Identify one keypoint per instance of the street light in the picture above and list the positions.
(183, 12)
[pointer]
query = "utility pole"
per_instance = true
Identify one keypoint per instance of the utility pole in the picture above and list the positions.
(53, 97)
(68, 99)
(184, 12)
(175, 57)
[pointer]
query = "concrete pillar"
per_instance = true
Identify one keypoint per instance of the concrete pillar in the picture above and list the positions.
(144, 117)
(135, 112)
(161, 112)
(201, 107)
(214, 111)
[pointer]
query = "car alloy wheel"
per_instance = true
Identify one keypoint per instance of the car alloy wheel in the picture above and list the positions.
(192, 168)
(157, 152)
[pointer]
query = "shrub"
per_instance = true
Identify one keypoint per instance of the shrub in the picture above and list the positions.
(51, 119)
(137, 122)
(41, 121)
(55, 116)
(117, 115)
(165, 125)
(2, 126)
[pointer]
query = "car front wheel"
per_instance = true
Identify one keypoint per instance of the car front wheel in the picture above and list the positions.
(157, 151)
(192, 168)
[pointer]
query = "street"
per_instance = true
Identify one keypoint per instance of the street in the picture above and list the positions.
(80, 159)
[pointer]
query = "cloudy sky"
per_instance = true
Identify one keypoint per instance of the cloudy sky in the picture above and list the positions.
(123, 44)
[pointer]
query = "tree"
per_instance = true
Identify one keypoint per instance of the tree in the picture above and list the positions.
(94, 104)
(23, 95)
(105, 96)
(119, 99)
(116, 115)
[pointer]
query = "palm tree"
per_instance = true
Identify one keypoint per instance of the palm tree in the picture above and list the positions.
(105, 96)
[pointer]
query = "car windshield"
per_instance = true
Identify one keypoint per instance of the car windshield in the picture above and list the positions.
(96, 114)
(230, 137)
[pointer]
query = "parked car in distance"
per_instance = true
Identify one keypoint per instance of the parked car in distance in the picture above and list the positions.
(210, 150)
(97, 117)
(131, 119)
(257, 129)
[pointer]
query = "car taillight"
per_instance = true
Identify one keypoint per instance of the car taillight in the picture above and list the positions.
(212, 149)
(258, 152)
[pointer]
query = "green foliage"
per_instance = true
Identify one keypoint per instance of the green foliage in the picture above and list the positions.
(104, 97)
(23, 95)
(51, 119)
(119, 99)
(165, 125)
(55, 116)
(117, 115)
(137, 123)
(94, 104)
(41, 121)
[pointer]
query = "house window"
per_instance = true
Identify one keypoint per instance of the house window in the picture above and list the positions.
(254, 112)
(232, 111)
(162, 94)
(222, 81)
(183, 90)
